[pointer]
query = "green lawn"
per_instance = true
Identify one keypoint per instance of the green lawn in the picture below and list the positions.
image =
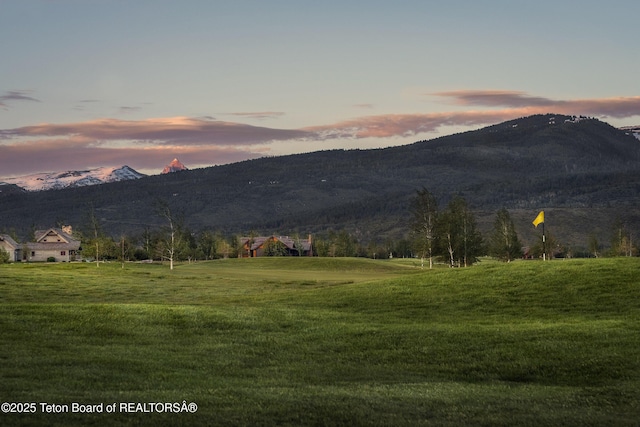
(290, 341)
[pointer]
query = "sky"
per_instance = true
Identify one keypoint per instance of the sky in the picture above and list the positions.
(93, 83)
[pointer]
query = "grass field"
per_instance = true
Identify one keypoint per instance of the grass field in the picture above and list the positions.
(290, 341)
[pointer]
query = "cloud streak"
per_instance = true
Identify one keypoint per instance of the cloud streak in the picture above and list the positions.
(259, 115)
(149, 143)
(161, 131)
(619, 107)
(404, 125)
(15, 95)
(510, 104)
(143, 144)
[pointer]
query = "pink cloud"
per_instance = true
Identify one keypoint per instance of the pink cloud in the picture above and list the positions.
(618, 107)
(203, 131)
(173, 130)
(494, 98)
(390, 125)
(149, 144)
(74, 154)
(514, 105)
(145, 144)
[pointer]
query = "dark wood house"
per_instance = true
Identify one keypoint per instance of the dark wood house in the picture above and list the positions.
(275, 246)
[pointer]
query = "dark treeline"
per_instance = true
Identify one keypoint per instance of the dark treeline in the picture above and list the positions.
(454, 240)
(448, 235)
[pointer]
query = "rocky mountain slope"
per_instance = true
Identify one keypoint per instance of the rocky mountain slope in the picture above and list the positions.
(60, 180)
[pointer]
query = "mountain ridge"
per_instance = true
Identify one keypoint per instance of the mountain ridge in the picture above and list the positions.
(58, 180)
(586, 171)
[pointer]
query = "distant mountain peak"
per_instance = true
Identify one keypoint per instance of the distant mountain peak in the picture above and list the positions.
(59, 180)
(175, 166)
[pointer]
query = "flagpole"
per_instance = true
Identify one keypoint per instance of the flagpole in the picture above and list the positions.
(540, 220)
(544, 252)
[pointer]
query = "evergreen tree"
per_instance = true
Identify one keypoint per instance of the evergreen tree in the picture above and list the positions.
(274, 248)
(227, 248)
(187, 245)
(403, 249)
(207, 245)
(322, 246)
(144, 245)
(504, 243)
(622, 240)
(345, 245)
(594, 245)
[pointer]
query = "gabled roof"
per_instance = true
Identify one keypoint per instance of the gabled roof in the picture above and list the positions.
(54, 232)
(7, 239)
(63, 241)
(290, 243)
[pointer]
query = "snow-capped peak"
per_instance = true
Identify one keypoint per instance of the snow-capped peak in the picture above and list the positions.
(59, 180)
(175, 166)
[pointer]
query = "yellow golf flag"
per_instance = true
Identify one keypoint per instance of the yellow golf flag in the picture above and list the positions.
(539, 219)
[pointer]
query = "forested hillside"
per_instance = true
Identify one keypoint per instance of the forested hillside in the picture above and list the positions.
(583, 172)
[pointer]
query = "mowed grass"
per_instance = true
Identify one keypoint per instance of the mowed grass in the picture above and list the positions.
(325, 342)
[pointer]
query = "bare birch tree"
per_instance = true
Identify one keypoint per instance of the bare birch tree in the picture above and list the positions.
(169, 250)
(424, 208)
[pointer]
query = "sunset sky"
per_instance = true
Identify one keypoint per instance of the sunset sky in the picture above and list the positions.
(90, 83)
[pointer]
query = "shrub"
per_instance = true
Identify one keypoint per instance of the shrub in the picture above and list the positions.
(4, 256)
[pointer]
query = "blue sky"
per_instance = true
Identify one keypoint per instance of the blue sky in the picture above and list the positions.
(89, 83)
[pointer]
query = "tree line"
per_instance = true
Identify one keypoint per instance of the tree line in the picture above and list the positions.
(448, 235)
(451, 235)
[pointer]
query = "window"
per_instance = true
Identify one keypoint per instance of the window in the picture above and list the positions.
(33, 253)
(63, 253)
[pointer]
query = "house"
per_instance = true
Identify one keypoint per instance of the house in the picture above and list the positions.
(12, 247)
(52, 243)
(275, 245)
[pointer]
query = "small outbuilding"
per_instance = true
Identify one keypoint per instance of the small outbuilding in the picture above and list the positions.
(11, 247)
